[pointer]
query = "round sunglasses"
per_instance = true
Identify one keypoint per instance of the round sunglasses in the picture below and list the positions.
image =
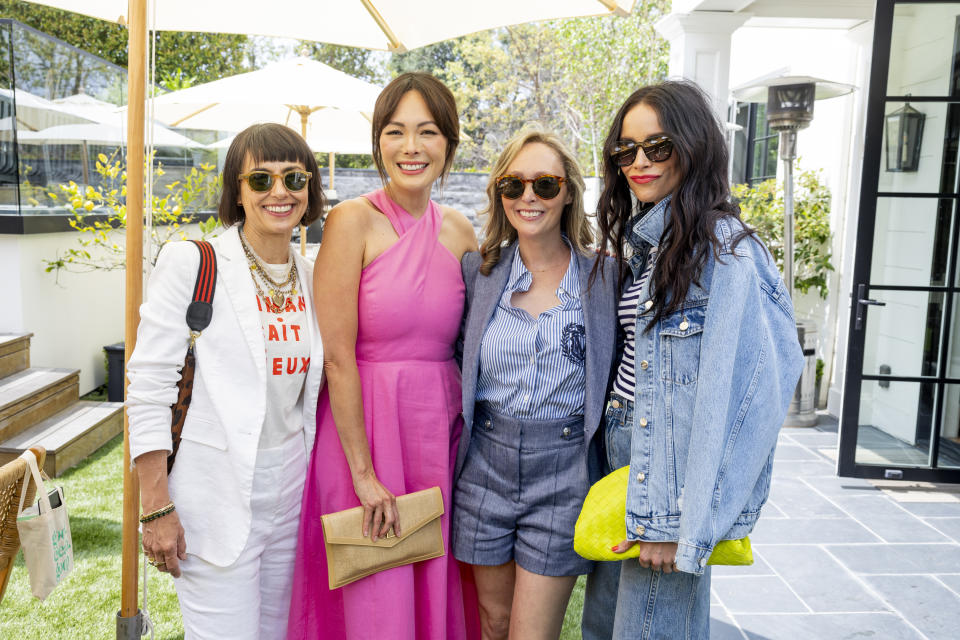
(262, 181)
(656, 149)
(544, 187)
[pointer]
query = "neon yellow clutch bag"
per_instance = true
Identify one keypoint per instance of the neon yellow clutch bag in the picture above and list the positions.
(602, 524)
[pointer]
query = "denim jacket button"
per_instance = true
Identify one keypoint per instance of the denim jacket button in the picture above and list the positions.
(643, 422)
(615, 404)
(640, 529)
(644, 364)
(641, 477)
(648, 304)
(684, 325)
(703, 562)
(566, 432)
(488, 425)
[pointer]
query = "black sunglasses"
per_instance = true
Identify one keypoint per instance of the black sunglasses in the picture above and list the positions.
(545, 186)
(261, 181)
(658, 149)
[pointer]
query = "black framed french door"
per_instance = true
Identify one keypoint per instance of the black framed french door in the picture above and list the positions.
(901, 399)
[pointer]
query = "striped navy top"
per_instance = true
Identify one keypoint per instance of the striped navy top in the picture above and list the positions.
(530, 367)
(625, 383)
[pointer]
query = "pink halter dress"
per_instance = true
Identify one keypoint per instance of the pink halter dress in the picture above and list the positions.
(409, 310)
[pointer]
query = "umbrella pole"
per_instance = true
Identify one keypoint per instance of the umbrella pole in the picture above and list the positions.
(85, 159)
(129, 620)
(333, 160)
(304, 114)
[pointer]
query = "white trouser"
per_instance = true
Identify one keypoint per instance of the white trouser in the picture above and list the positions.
(250, 599)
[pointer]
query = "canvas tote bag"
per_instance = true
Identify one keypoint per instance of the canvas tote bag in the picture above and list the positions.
(44, 534)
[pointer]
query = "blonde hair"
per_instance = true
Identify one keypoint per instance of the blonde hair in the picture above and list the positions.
(498, 232)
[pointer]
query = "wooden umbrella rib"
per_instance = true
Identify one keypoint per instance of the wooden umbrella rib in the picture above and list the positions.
(613, 7)
(395, 45)
(190, 115)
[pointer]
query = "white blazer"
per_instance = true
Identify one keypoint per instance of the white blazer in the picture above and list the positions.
(213, 475)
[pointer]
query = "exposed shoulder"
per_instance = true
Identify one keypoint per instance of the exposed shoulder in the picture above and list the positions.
(460, 221)
(354, 215)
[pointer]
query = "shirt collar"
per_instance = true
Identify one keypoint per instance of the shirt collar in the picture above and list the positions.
(521, 278)
(646, 227)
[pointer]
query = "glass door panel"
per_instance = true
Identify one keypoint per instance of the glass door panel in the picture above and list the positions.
(923, 41)
(902, 337)
(949, 454)
(911, 242)
(901, 409)
(895, 423)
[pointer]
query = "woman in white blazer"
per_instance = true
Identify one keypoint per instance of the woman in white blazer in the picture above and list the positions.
(224, 523)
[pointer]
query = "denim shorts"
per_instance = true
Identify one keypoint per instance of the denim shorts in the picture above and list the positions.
(618, 426)
(520, 493)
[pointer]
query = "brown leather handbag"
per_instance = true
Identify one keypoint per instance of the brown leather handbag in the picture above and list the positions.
(198, 318)
(351, 556)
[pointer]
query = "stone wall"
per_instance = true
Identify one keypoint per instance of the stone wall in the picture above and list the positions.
(462, 191)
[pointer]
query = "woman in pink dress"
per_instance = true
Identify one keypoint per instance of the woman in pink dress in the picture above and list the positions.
(389, 298)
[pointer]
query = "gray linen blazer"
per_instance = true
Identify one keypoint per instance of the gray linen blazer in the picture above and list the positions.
(600, 324)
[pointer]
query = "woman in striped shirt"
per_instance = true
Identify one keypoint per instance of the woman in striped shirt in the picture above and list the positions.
(539, 336)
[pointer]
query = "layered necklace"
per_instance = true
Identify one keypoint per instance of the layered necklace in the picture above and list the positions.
(277, 292)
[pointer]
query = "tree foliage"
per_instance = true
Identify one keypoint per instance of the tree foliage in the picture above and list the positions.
(569, 76)
(204, 56)
(761, 207)
(359, 63)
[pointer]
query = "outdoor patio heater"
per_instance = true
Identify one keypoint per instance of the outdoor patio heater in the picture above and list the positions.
(790, 101)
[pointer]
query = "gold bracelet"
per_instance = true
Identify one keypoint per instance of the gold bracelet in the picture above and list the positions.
(159, 513)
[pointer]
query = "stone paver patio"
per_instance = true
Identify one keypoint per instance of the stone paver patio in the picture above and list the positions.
(843, 558)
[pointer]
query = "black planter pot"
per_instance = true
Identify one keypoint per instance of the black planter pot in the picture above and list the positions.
(115, 371)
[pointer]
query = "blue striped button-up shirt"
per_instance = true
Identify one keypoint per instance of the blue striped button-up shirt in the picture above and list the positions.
(534, 367)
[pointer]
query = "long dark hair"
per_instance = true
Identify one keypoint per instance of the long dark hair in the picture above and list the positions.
(702, 196)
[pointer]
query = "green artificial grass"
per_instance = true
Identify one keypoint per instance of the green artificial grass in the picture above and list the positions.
(84, 606)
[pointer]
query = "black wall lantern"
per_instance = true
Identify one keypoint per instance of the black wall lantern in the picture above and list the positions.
(904, 132)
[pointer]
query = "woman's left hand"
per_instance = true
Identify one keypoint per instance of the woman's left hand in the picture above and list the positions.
(657, 556)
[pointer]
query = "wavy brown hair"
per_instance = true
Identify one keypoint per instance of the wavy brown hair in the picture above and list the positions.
(702, 196)
(498, 232)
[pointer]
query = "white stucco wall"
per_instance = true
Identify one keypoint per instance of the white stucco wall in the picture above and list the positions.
(71, 319)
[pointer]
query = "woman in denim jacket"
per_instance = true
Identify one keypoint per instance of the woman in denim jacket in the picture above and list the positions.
(708, 365)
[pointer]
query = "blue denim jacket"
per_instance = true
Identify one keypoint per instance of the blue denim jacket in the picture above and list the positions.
(721, 373)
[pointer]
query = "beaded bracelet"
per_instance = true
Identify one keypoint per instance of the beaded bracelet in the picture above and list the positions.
(159, 513)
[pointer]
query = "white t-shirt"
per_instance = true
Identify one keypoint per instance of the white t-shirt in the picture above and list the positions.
(287, 339)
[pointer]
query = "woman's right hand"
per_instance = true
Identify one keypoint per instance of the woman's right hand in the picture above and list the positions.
(164, 543)
(379, 507)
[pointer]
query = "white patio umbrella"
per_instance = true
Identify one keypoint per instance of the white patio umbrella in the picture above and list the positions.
(34, 112)
(327, 107)
(101, 134)
(87, 106)
(396, 25)
(328, 130)
(97, 134)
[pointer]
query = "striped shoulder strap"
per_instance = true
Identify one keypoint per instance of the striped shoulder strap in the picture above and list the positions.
(201, 307)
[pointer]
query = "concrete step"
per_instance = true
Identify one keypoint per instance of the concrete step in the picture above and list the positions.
(32, 395)
(14, 353)
(69, 436)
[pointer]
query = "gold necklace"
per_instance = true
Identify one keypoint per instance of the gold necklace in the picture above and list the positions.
(276, 296)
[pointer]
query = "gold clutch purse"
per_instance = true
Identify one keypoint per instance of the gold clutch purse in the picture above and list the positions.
(351, 556)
